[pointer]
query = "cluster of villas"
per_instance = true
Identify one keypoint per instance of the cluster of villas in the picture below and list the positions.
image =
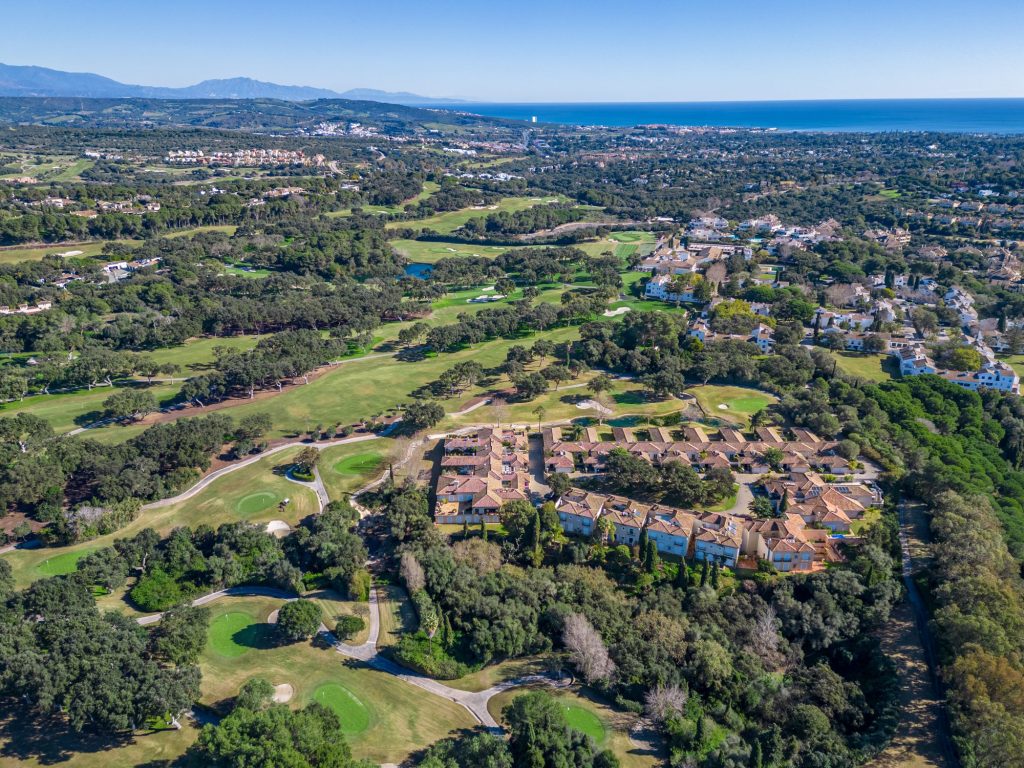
(481, 472)
(815, 511)
(728, 448)
(26, 309)
(243, 157)
(993, 374)
(854, 323)
(788, 542)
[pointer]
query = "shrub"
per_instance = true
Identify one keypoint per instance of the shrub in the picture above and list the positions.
(359, 585)
(348, 626)
(419, 653)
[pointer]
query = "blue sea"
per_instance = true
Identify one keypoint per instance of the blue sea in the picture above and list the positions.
(1002, 116)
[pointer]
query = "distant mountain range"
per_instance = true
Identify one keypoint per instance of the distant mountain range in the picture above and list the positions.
(40, 81)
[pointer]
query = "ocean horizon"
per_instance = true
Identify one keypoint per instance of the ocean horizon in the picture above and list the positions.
(994, 116)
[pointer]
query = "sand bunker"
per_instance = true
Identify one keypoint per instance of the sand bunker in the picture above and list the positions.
(283, 693)
(616, 312)
(278, 528)
(583, 404)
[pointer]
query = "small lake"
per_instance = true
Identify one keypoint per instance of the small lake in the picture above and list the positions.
(418, 270)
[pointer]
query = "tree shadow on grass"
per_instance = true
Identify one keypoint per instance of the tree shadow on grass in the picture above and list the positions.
(634, 397)
(50, 741)
(257, 636)
(87, 418)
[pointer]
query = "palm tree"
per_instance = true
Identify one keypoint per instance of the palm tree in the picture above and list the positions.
(539, 412)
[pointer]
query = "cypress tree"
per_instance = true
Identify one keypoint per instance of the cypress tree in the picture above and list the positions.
(651, 557)
(704, 572)
(756, 756)
(642, 545)
(682, 577)
(784, 503)
(715, 569)
(483, 530)
(699, 735)
(534, 532)
(465, 528)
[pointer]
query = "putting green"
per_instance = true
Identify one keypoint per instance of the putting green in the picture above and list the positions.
(58, 565)
(354, 716)
(234, 634)
(257, 502)
(750, 404)
(584, 720)
(359, 464)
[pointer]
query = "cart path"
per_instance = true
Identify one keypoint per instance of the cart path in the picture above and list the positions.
(475, 702)
(226, 470)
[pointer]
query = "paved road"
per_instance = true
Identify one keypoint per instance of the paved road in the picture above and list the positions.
(474, 701)
(226, 470)
(229, 592)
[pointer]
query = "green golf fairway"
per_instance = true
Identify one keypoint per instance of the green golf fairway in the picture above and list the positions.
(354, 716)
(256, 502)
(58, 565)
(586, 721)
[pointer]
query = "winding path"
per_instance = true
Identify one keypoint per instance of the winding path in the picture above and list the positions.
(316, 485)
(226, 470)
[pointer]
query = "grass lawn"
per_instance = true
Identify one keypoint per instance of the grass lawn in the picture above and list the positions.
(36, 253)
(73, 171)
(396, 614)
(448, 221)
(1015, 361)
(248, 272)
(626, 398)
(424, 252)
(237, 633)
(863, 365)
(254, 503)
(740, 402)
(228, 229)
(345, 468)
(608, 727)
(646, 305)
(724, 505)
(67, 411)
(216, 504)
(196, 355)
(620, 244)
(58, 565)
(493, 674)
(361, 388)
(384, 719)
(354, 716)
(333, 606)
(871, 516)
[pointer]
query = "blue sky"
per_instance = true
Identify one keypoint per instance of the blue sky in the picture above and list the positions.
(542, 50)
